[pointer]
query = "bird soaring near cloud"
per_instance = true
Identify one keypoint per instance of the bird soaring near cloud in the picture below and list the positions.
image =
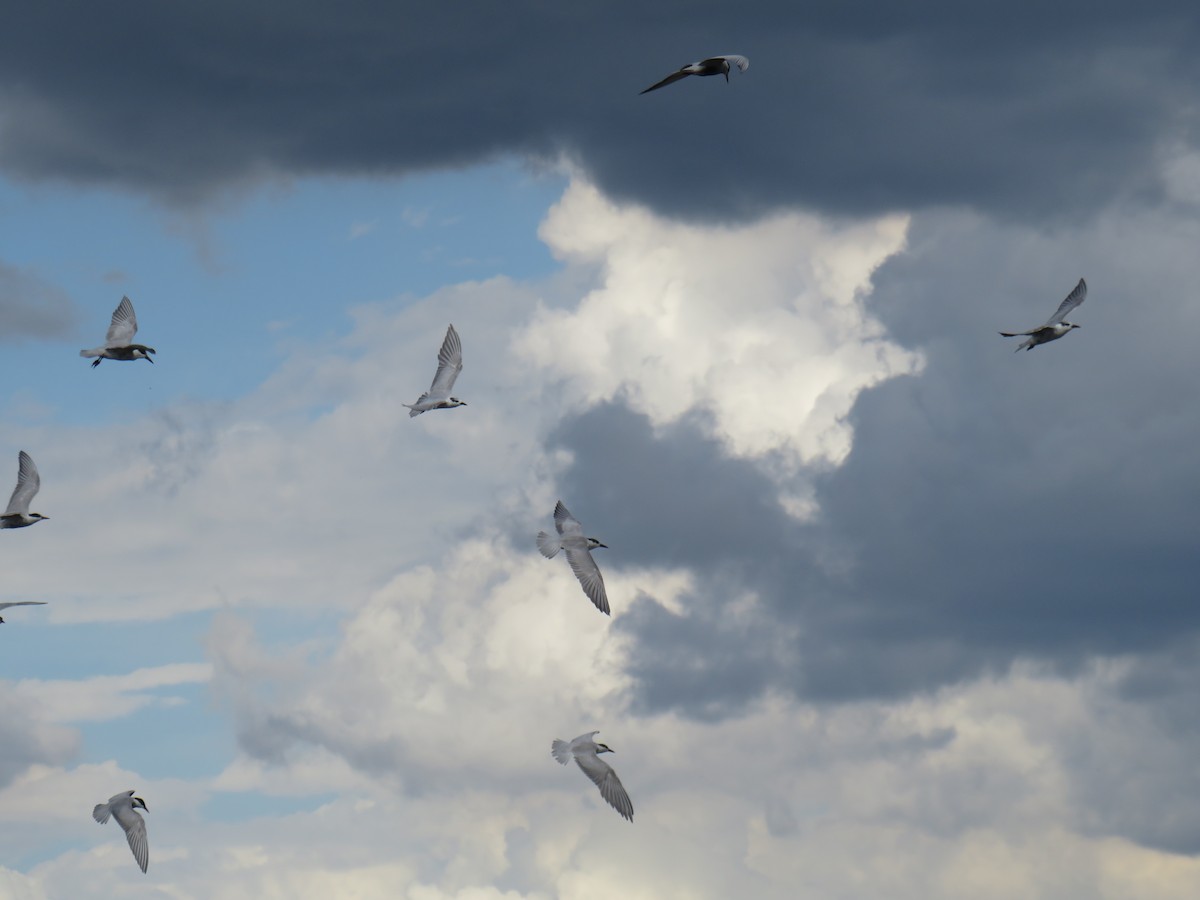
(586, 753)
(571, 539)
(449, 365)
(714, 65)
(120, 333)
(1055, 327)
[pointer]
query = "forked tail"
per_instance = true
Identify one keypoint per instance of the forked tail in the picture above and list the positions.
(549, 546)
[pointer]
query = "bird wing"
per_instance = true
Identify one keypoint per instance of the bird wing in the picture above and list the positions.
(23, 603)
(734, 59)
(135, 833)
(565, 522)
(123, 327)
(670, 79)
(582, 739)
(606, 779)
(589, 576)
(1074, 298)
(449, 364)
(28, 482)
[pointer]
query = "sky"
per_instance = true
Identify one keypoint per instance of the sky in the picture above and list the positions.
(896, 612)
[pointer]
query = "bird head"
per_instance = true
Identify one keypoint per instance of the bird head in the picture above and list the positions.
(604, 748)
(593, 544)
(38, 516)
(458, 402)
(139, 803)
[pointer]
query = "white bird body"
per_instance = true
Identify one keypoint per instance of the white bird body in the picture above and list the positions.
(28, 482)
(1055, 327)
(449, 365)
(123, 807)
(20, 603)
(118, 343)
(586, 753)
(579, 554)
(714, 65)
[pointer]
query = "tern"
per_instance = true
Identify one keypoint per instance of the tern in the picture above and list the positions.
(123, 807)
(714, 65)
(449, 365)
(1055, 327)
(117, 343)
(579, 554)
(20, 603)
(586, 753)
(28, 481)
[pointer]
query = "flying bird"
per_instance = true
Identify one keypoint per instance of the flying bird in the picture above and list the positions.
(449, 365)
(714, 65)
(28, 481)
(123, 807)
(120, 333)
(20, 603)
(579, 554)
(1055, 327)
(586, 753)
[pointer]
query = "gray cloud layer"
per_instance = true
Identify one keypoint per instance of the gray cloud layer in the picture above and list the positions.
(30, 307)
(995, 507)
(1014, 107)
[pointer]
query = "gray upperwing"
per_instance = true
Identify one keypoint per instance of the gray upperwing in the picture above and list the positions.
(670, 79)
(28, 482)
(589, 576)
(611, 789)
(135, 833)
(1076, 297)
(124, 325)
(565, 522)
(449, 364)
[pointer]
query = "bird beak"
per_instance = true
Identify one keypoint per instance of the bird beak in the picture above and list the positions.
(605, 546)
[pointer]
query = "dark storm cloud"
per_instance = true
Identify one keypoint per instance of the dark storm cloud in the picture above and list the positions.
(1140, 780)
(32, 308)
(1015, 106)
(996, 506)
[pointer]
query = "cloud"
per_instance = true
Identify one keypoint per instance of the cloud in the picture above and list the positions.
(771, 343)
(32, 308)
(29, 737)
(938, 106)
(103, 697)
(812, 690)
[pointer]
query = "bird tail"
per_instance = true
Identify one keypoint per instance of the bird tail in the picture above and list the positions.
(412, 410)
(549, 546)
(101, 813)
(1025, 345)
(88, 354)
(560, 750)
